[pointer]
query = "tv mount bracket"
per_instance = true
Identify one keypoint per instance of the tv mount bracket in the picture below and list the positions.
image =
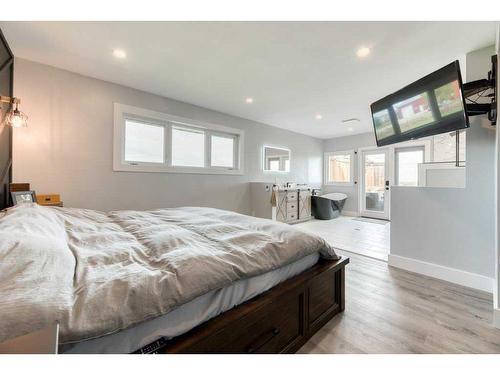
(477, 91)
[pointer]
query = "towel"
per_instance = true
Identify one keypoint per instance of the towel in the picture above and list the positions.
(273, 197)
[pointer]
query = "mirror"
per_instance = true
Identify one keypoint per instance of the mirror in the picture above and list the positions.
(276, 159)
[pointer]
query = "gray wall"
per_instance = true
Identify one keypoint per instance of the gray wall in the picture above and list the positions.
(352, 142)
(67, 147)
(453, 227)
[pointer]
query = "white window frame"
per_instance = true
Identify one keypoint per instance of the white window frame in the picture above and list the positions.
(122, 112)
(326, 168)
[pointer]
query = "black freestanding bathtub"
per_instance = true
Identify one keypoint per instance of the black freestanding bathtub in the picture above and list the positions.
(328, 206)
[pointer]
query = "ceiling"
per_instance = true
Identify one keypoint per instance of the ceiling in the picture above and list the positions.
(294, 71)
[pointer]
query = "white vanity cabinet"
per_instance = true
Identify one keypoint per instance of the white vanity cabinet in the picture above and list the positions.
(292, 205)
(305, 203)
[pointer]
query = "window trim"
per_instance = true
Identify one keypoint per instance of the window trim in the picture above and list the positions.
(326, 159)
(121, 112)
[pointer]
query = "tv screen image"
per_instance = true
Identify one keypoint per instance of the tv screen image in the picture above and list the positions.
(432, 105)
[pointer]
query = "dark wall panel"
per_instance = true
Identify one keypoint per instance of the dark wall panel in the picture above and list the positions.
(5, 54)
(6, 89)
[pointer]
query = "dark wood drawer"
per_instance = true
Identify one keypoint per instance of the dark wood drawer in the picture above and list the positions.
(285, 326)
(277, 321)
(266, 330)
(321, 297)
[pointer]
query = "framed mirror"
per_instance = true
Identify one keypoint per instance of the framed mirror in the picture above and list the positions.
(276, 159)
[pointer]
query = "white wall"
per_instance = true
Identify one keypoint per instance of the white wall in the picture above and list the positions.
(67, 147)
(454, 228)
(352, 142)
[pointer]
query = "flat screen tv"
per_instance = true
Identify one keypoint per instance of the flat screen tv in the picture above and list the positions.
(432, 105)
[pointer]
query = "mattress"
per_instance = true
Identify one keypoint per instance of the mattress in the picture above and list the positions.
(191, 314)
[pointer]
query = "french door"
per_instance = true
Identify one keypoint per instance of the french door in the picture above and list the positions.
(375, 193)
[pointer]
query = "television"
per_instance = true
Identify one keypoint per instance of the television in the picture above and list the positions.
(432, 105)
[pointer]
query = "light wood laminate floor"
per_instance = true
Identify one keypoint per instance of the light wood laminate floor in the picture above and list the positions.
(349, 234)
(394, 311)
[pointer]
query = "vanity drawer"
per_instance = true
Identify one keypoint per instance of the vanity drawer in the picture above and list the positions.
(291, 216)
(292, 207)
(291, 196)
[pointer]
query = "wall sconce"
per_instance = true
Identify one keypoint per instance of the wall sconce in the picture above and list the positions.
(14, 116)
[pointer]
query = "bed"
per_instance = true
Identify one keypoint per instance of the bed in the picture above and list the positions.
(179, 280)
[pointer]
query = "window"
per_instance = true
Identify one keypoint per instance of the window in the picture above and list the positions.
(339, 168)
(407, 161)
(222, 152)
(188, 147)
(444, 147)
(149, 141)
(144, 142)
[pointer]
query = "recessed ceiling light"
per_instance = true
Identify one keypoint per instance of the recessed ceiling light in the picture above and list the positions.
(350, 128)
(119, 53)
(318, 117)
(363, 52)
(249, 100)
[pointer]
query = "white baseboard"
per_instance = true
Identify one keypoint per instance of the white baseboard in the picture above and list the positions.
(350, 213)
(496, 318)
(452, 275)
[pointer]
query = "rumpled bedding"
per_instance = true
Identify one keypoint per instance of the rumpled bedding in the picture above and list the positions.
(98, 273)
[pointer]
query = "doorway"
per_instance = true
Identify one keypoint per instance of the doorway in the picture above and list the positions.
(375, 183)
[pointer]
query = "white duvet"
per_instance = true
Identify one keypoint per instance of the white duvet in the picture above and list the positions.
(97, 273)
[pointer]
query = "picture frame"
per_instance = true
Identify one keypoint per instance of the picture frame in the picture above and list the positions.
(28, 196)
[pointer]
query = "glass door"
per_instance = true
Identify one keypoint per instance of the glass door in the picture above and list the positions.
(375, 184)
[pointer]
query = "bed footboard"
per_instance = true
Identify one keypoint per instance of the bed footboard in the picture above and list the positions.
(280, 320)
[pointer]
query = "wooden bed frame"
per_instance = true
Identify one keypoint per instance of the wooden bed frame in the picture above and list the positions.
(280, 320)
